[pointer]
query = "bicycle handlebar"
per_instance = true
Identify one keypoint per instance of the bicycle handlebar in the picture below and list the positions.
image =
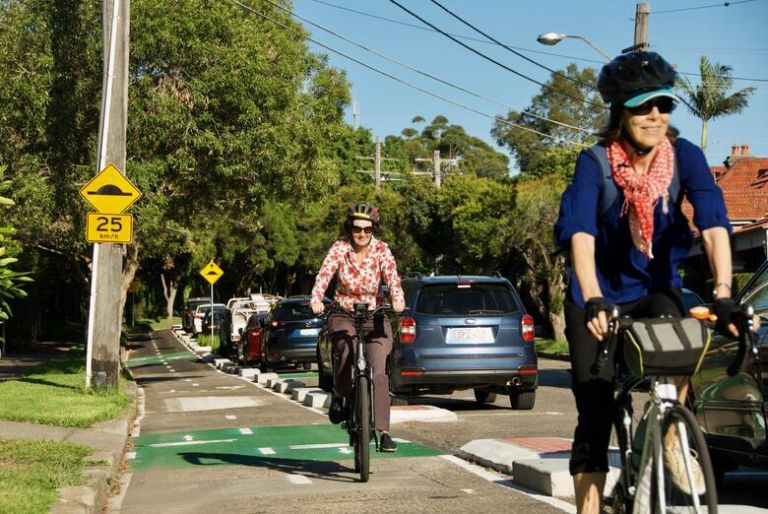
(744, 321)
(361, 310)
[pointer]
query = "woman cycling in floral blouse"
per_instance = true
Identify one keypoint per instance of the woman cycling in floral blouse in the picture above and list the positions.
(360, 262)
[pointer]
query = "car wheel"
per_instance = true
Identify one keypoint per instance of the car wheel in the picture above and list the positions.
(306, 365)
(325, 377)
(483, 396)
(522, 400)
(240, 351)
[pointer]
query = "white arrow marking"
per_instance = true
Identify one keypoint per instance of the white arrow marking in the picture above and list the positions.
(188, 437)
(186, 443)
(316, 446)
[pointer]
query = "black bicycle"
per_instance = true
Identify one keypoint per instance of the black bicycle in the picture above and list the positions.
(646, 483)
(360, 411)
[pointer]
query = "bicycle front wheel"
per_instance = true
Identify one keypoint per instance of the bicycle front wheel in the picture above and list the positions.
(689, 480)
(363, 426)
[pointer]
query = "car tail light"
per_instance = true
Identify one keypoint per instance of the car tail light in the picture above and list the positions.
(527, 328)
(412, 373)
(407, 330)
(275, 323)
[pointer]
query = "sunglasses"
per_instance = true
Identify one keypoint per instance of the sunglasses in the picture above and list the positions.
(357, 230)
(664, 104)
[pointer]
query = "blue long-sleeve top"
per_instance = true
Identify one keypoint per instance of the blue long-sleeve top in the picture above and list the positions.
(623, 272)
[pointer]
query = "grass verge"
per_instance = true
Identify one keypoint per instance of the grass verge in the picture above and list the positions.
(32, 471)
(207, 340)
(53, 393)
(552, 347)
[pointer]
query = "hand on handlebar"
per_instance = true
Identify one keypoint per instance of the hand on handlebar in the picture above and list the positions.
(597, 317)
(317, 307)
(732, 316)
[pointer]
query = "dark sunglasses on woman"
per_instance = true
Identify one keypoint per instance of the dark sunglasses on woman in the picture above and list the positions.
(664, 103)
(357, 230)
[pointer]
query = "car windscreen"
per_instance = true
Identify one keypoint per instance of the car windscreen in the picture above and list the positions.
(293, 311)
(757, 294)
(465, 299)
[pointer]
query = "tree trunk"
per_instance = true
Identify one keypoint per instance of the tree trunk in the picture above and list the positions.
(704, 135)
(170, 288)
(558, 325)
(130, 266)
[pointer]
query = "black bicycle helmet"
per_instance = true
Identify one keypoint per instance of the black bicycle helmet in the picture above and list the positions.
(633, 74)
(362, 211)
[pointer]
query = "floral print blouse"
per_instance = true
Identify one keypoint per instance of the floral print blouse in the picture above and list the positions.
(358, 282)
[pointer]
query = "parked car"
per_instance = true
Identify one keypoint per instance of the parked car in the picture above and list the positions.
(248, 346)
(732, 410)
(199, 314)
(459, 332)
(188, 314)
(290, 334)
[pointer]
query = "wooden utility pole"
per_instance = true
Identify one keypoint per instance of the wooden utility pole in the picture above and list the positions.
(642, 10)
(104, 316)
(437, 170)
(376, 172)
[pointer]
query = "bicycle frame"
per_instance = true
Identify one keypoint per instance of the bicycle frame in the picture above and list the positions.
(360, 368)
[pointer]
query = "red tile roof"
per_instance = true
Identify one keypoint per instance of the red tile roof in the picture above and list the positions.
(745, 188)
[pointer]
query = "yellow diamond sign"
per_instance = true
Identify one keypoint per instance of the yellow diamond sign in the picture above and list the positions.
(211, 272)
(110, 191)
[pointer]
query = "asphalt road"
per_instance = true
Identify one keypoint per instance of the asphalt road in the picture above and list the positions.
(211, 441)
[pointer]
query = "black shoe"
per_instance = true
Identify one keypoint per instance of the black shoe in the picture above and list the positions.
(337, 413)
(386, 444)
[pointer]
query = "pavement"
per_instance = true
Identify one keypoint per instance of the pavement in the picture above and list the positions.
(539, 464)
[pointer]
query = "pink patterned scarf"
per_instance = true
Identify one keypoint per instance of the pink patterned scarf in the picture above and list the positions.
(642, 190)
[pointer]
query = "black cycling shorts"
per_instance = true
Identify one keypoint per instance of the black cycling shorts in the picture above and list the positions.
(594, 394)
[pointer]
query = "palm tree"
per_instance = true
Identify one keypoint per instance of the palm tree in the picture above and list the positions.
(709, 99)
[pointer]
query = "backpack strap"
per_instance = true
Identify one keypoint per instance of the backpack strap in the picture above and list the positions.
(609, 193)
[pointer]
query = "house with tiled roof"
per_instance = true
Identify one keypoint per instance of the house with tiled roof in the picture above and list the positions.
(744, 181)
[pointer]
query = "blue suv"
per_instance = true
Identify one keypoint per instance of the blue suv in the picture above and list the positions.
(464, 332)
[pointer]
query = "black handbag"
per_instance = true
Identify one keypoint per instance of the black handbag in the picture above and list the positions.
(665, 346)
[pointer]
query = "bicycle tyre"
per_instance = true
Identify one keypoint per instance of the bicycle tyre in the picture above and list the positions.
(676, 498)
(363, 426)
(622, 499)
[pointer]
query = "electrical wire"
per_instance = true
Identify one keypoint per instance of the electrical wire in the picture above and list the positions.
(683, 9)
(423, 73)
(504, 66)
(413, 86)
(484, 41)
(522, 56)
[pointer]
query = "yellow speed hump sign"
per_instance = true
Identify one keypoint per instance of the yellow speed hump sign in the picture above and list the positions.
(110, 191)
(211, 272)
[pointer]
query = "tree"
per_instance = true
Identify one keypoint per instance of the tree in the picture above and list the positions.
(710, 99)
(570, 99)
(10, 280)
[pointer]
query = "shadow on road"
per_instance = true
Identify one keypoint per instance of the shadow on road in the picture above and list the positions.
(324, 470)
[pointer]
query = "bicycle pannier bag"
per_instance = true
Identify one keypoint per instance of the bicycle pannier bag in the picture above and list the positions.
(672, 346)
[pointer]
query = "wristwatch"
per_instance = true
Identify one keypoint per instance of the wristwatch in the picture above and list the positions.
(718, 286)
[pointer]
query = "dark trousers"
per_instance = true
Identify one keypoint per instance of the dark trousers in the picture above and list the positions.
(594, 394)
(377, 333)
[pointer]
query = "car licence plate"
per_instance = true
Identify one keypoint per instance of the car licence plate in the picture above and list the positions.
(308, 332)
(469, 335)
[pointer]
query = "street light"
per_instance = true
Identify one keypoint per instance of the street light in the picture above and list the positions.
(553, 38)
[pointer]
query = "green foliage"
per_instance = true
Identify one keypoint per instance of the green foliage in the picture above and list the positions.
(569, 99)
(710, 99)
(10, 280)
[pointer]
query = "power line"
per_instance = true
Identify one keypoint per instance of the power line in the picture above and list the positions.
(479, 53)
(532, 61)
(423, 73)
(484, 41)
(396, 79)
(683, 9)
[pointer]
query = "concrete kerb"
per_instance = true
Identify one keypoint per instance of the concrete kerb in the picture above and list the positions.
(318, 399)
(110, 440)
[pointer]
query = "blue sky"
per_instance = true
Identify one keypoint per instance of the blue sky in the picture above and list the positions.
(733, 35)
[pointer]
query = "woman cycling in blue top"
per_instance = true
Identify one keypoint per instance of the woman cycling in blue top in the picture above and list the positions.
(629, 253)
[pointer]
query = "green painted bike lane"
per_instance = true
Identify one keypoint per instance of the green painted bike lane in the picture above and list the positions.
(151, 360)
(252, 446)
